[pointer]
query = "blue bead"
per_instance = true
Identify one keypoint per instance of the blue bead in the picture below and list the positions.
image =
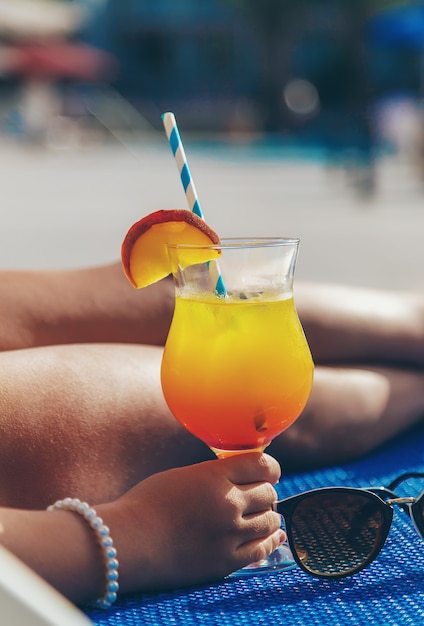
(111, 597)
(107, 541)
(96, 522)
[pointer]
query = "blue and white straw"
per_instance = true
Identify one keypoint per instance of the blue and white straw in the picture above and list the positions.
(171, 129)
(177, 148)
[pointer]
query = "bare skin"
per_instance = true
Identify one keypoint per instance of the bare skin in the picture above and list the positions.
(188, 525)
(79, 306)
(86, 419)
(82, 414)
(368, 347)
(352, 325)
(351, 411)
(102, 443)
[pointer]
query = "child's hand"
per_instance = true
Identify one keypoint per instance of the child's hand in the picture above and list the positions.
(196, 524)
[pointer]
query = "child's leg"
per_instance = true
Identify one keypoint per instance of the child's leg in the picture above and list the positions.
(350, 412)
(87, 305)
(87, 421)
(355, 325)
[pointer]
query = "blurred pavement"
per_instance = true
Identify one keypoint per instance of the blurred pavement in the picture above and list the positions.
(72, 208)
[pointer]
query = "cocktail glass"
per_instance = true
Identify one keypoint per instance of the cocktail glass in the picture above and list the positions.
(236, 369)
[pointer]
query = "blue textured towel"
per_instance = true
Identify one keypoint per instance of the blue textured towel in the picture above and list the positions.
(390, 591)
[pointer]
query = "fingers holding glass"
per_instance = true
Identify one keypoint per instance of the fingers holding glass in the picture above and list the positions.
(247, 468)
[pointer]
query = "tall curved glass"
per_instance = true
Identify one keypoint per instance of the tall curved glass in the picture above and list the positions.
(236, 369)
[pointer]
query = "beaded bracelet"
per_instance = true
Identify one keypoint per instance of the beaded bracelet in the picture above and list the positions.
(105, 541)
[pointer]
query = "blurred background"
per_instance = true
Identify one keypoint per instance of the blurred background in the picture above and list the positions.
(299, 117)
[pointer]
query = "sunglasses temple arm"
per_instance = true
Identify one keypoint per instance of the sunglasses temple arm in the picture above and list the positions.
(399, 479)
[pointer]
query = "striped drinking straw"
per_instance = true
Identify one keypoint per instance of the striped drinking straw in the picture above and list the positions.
(171, 129)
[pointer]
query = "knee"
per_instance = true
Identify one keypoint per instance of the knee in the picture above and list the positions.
(361, 395)
(340, 422)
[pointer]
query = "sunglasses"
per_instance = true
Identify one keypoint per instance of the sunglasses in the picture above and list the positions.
(335, 532)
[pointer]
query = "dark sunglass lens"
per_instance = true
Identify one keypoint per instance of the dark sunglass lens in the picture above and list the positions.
(335, 533)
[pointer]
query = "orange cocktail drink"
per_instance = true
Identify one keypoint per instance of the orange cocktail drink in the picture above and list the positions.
(236, 369)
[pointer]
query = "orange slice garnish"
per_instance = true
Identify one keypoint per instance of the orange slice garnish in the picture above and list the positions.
(144, 252)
